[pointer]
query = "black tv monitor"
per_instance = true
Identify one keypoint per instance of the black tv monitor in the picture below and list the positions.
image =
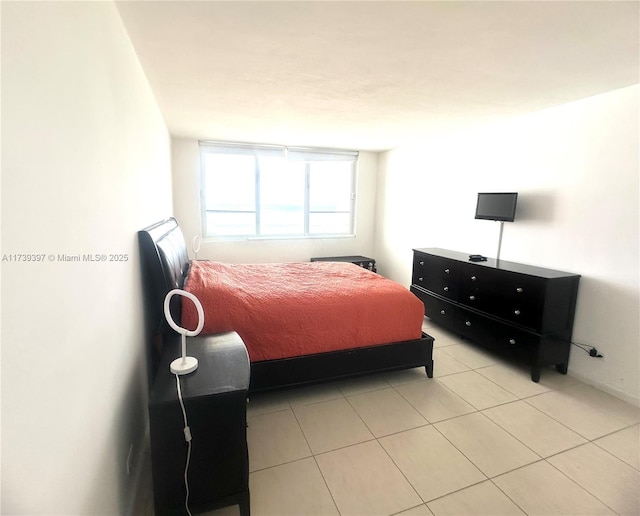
(497, 206)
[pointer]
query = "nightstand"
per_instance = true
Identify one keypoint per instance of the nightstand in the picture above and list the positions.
(362, 261)
(215, 398)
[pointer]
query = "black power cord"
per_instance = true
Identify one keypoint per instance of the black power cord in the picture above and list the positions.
(593, 352)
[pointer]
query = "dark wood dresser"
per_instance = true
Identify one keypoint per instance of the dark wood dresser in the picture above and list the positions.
(518, 309)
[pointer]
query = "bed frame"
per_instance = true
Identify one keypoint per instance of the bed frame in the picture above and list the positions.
(165, 264)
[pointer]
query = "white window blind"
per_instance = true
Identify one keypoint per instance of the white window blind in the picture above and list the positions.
(266, 191)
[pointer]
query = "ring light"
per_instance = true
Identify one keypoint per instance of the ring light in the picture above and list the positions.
(184, 364)
(195, 245)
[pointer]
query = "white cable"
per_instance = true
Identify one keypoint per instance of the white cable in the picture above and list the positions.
(187, 437)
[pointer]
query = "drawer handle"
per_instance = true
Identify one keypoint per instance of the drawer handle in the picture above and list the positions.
(421, 263)
(516, 312)
(472, 298)
(473, 278)
(468, 323)
(519, 290)
(512, 341)
(420, 279)
(447, 271)
(446, 289)
(443, 312)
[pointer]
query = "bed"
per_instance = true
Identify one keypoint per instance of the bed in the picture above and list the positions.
(307, 331)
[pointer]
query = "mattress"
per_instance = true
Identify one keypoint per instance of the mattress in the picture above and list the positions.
(283, 310)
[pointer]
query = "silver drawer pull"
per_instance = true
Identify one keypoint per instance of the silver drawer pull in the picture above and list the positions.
(512, 341)
(421, 263)
(420, 279)
(443, 312)
(473, 278)
(447, 271)
(472, 298)
(446, 289)
(516, 312)
(519, 290)
(468, 323)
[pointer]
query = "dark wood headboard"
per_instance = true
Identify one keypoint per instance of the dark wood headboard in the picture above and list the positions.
(164, 265)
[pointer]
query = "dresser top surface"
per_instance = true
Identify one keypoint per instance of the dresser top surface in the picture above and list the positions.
(492, 263)
(353, 258)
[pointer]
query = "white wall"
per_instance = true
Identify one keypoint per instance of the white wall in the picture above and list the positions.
(85, 164)
(576, 170)
(186, 188)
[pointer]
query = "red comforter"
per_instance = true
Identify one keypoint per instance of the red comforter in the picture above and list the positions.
(290, 309)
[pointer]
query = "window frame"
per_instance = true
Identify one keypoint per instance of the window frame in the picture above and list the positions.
(304, 154)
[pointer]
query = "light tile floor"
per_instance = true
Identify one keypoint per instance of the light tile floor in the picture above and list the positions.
(479, 438)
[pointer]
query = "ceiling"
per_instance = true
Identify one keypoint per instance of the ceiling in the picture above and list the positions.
(373, 75)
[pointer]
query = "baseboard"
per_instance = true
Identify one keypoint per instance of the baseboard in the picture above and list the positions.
(633, 400)
(139, 469)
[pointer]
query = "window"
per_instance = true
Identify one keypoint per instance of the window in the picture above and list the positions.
(264, 191)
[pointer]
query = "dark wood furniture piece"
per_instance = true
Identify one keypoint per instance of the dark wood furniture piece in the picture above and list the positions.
(510, 307)
(165, 265)
(361, 261)
(215, 400)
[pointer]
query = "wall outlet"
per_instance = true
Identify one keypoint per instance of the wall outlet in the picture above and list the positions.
(130, 460)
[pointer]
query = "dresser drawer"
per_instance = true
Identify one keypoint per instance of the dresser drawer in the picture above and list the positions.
(497, 336)
(439, 311)
(436, 274)
(515, 297)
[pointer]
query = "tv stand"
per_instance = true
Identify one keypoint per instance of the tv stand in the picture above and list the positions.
(500, 240)
(512, 308)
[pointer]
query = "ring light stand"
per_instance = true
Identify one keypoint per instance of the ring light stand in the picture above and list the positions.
(184, 364)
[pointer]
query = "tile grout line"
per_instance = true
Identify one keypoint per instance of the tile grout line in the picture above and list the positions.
(476, 410)
(543, 459)
(611, 453)
(581, 486)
